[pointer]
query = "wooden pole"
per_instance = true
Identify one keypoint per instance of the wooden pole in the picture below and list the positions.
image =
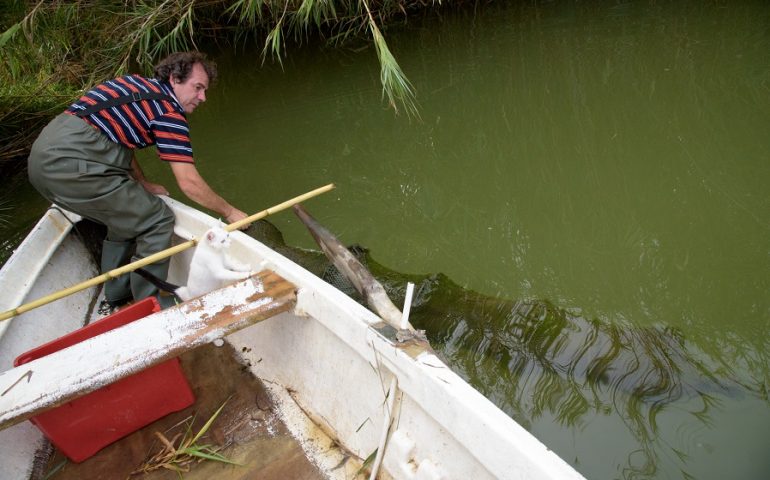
(368, 286)
(157, 256)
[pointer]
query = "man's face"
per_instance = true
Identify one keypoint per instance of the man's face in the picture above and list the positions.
(192, 91)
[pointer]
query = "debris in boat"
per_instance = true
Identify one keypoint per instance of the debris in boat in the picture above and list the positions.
(263, 401)
(179, 459)
(413, 342)
(404, 336)
(249, 431)
(365, 467)
(40, 467)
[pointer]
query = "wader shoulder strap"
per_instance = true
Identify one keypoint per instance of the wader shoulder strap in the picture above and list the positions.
(113, 102)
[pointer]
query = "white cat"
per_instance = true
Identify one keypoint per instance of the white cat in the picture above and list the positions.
(210, 268)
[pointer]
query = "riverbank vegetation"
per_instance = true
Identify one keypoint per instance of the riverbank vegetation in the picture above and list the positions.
(51, 51)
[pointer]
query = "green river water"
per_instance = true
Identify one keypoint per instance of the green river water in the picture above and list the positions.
(593, 177)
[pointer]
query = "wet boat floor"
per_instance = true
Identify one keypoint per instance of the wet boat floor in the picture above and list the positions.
(248, 430)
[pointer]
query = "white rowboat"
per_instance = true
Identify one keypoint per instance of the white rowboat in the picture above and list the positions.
(328, 362)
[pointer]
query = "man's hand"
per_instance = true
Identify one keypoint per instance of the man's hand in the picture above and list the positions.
(195, 187)
(154, 188)
(236, 215)
(136, 172)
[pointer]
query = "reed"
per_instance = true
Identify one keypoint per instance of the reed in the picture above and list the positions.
(180, 457)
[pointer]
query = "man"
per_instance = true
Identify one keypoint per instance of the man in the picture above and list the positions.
(84, 161)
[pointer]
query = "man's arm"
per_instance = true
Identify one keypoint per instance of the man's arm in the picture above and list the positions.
(138, 174)
(195, 187)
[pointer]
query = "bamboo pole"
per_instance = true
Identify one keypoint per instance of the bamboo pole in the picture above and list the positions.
(157, 256)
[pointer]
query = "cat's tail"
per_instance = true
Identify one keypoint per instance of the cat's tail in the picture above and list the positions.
(161, 284)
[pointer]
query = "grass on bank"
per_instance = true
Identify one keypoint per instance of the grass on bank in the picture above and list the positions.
(51, 51)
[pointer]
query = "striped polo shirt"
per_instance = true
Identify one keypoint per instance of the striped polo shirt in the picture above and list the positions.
(139, 124)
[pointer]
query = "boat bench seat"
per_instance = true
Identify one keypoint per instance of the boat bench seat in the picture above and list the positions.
(55, 379)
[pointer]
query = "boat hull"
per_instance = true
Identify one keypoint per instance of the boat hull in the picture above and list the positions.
(331, 365)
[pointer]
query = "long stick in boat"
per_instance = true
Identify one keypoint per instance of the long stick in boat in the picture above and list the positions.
(158, 256)
(372, 290)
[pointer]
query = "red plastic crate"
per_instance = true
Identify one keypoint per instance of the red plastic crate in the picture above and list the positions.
(84, 426)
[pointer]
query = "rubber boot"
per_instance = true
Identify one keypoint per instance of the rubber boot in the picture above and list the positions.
(117, 291)
(142, 288)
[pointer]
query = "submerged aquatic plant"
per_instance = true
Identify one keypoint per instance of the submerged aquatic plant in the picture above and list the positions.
(179, 457)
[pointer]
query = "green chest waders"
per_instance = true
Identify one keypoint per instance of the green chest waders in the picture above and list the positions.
(77, 167)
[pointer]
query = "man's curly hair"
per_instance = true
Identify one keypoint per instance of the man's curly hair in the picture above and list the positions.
(179, 65)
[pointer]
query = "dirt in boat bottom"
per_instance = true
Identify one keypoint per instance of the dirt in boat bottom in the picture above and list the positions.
(248, 429)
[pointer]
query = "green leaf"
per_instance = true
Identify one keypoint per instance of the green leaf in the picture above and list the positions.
(212, 456)
(209, 422)
(8, 34)
(367, 463)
